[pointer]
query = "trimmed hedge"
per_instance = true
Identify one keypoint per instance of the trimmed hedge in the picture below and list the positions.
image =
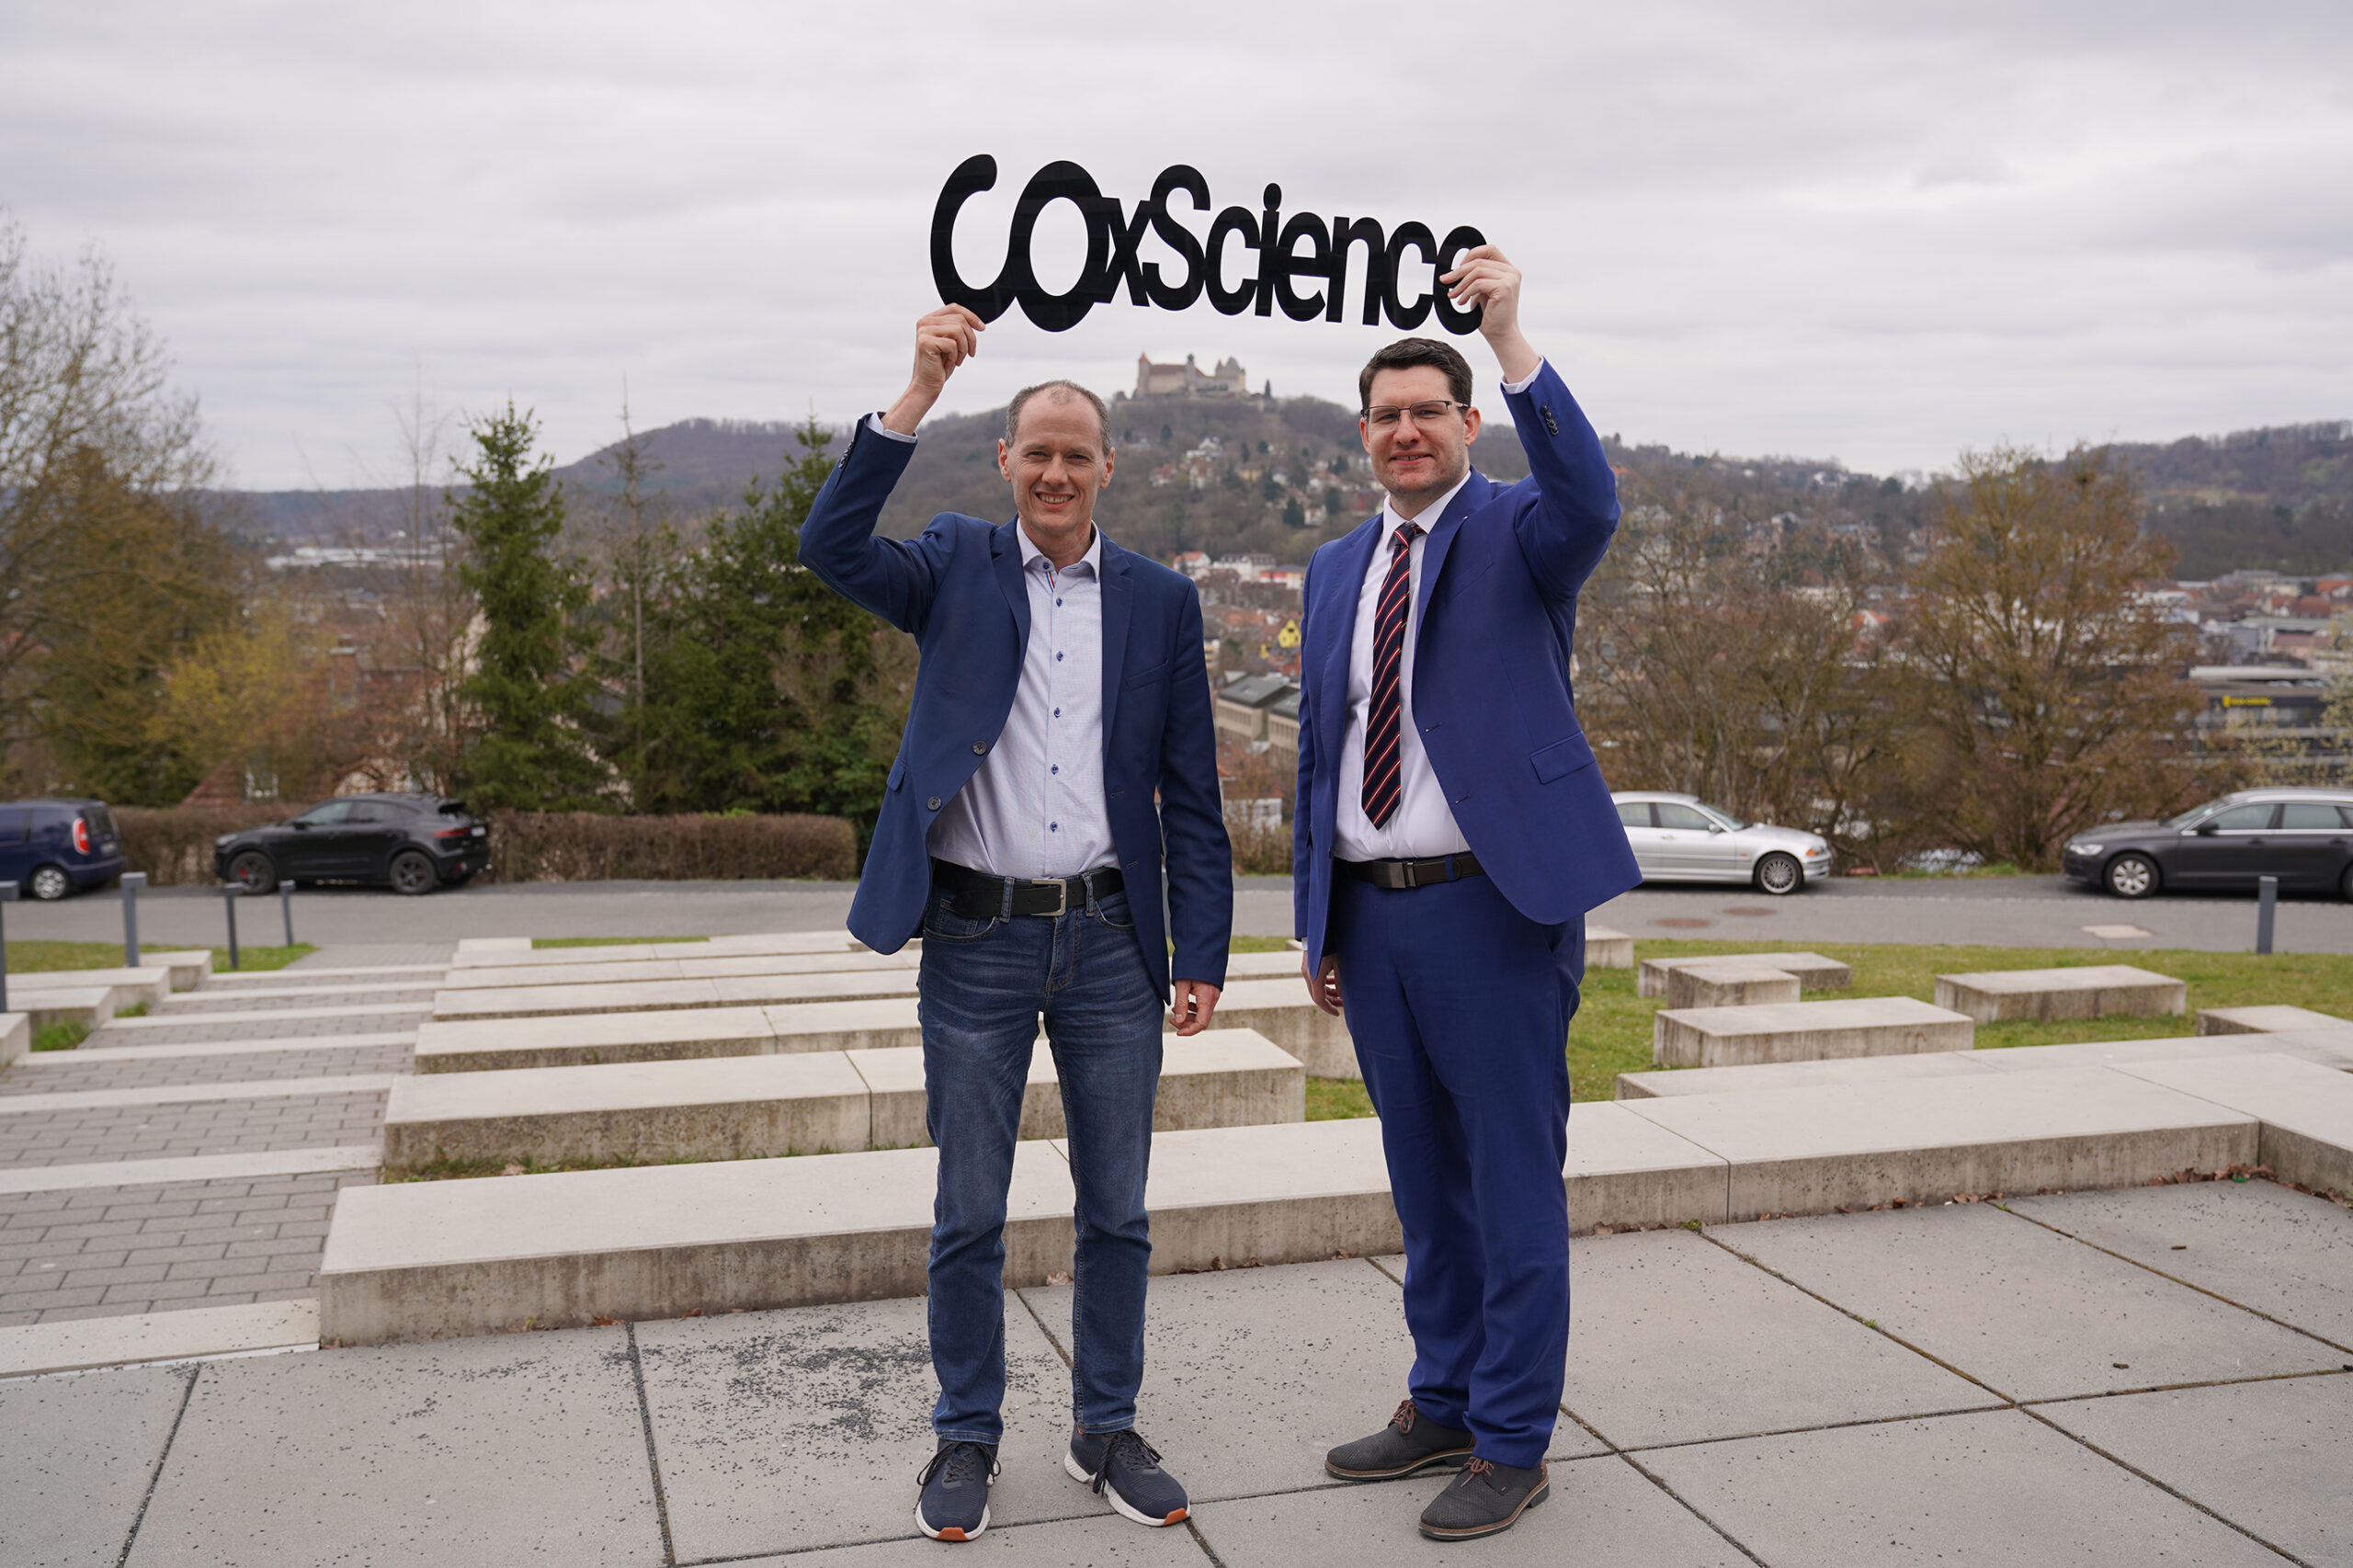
(174, 844)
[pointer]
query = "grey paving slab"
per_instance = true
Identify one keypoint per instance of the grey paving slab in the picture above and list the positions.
(2283, 1253)
(78, 1453)
(1990, 1490)
(2032, 1313)
(789, 1430)
(1067, 1543)
(512, 1451)
(1672, 1340)
(1602, 1512)
(1251, 1375)
(2276, 1458)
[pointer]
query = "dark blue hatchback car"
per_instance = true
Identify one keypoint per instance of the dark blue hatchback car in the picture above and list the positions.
(49, 848)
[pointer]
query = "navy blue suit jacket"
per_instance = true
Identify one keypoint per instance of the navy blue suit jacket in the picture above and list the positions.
(1493, 618)
(959, 589)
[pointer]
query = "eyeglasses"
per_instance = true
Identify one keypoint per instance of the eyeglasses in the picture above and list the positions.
(1381, 417)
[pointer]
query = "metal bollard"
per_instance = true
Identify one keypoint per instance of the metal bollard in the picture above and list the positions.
(229, 892)
(286, 907)
(132, 883)
(7, 897)
(2266, 902)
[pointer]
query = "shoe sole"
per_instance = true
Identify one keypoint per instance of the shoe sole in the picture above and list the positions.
(1445, 1458)
(953, 1532)
(1087, 1478)
(1498, 1528)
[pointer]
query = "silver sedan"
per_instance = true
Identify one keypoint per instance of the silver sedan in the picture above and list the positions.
(1681, 838)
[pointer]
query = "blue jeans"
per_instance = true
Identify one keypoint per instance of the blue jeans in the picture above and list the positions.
(983, 984)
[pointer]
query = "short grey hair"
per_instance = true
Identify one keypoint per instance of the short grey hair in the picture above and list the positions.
(1021, 398)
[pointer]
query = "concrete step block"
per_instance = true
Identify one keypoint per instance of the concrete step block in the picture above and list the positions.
(892, 1023)
(1774, 1076)
(830, 941)
(467, 946)
(489, 977)
(75, 1344)
(714, 1109)
(1814, 971)
(1605, 949)
(1744, 984)
(148, 984)
(1217, 1078)
(2091, 990)
(1853, 1145)
(1288, 1194)
(1626, 1171)
(189, 968)
(438, 1259)
(553, 1001)
(2306, 1110)
(15, 1037)
(1804, 1031)
(492, 1045)
(91, 1005)
(2333, 1049)
(2265, 1020)
(1282, 1010)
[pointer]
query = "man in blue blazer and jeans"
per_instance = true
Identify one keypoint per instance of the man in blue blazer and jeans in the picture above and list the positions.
(1059, 749)
(1453, 831)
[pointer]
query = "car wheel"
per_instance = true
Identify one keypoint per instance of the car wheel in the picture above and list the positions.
(251, 869)
(49, 883)
(1780, 875)
(412, 873)
(2130, 876)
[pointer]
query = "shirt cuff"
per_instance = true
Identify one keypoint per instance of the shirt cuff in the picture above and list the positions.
(1528, 381)
(874, 423)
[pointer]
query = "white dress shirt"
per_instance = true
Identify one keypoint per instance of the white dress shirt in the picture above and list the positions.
(1423, 826)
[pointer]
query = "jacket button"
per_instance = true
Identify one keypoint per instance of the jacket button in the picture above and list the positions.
(932, 805)
(980, 748)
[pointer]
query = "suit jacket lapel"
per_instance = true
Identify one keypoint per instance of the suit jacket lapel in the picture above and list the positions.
(1340, 589)
(1467, 500)
(1007, 551)
(1119, 610)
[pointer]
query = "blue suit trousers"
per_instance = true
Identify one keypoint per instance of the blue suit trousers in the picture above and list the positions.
(1460, 1006)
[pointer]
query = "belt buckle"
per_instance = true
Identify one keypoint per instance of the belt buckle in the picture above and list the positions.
(1062, 893)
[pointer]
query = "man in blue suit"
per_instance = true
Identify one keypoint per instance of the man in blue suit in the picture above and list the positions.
(1059, 748)
(1453, 831)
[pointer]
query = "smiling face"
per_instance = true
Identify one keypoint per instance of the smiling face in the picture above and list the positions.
(1417, 461)
(1058, 462)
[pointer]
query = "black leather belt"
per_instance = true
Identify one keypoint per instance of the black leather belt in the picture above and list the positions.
(975, 895)
(1400, 874)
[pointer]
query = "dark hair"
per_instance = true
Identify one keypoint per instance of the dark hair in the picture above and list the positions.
(1021, 398)
(1408, 352)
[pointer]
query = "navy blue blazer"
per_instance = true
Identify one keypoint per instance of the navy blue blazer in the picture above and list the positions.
(1493, 618)
(959, 589)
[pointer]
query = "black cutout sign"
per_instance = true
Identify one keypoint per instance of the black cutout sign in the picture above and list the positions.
(1300, 250)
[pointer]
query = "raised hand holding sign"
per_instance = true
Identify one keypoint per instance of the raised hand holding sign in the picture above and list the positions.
(1303, 249)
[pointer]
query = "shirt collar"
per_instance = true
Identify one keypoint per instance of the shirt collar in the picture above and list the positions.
(1032, 558)
(1392, 520)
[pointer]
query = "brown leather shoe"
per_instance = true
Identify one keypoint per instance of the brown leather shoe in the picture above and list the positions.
(1408, 1446)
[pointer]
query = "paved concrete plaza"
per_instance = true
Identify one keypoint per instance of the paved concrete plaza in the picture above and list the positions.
(2157, 1375)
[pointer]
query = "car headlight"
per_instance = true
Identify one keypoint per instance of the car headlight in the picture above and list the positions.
(2085, 848)
(1818, 850)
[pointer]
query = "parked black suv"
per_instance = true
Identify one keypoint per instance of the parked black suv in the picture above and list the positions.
(412, 843)
(2304, 837)
(49, 848)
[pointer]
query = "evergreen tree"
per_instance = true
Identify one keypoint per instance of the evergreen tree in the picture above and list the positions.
(529, 684)
(765, 689)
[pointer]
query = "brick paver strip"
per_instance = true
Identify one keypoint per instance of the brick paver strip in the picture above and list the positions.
(96, 1251)
(215, 1127)
(260, 1016)
(215, 1047)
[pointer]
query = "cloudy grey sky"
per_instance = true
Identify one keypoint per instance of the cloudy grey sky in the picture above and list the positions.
(1873, 232)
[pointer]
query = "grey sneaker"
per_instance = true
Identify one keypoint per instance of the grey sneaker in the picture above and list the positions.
(1408, 1446)
(1126, 1468)
(1487, 1499)
(954, 1504)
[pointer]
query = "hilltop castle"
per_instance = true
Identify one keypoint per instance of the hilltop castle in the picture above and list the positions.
(1188, 379)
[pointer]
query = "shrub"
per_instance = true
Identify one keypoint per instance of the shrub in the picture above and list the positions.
(174, 844)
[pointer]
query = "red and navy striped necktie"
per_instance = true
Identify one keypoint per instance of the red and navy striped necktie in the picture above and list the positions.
(1385, 782)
